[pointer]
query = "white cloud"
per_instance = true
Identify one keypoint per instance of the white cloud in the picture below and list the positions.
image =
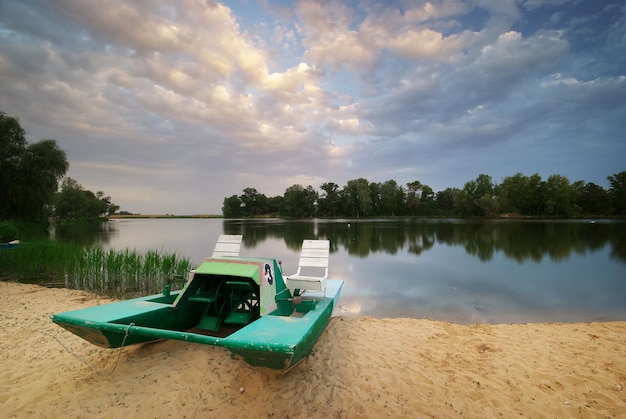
(155, 101)
(534, 4)
(514, 54)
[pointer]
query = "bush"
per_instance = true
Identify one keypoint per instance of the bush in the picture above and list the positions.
(8, 232)
(22, 231)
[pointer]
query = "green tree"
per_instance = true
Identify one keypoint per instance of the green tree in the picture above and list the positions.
(594, 200)
(478, 197)
(276, 205)
(427, 201)
(393, 198)
(420, 199)
(512, 193)
(536, 196)
(485, 195)
(560, 197)
(111, 208)
(376, 206)
(617, 191)
(70, 201)
(73, 201)
(12, 148)
(526, 195)
(357, 197)
(447, 200)
(30, 173)
(413, 200)
(231, 207)
(465, 205)
(253, 202)
(299, 201)
(329, 202)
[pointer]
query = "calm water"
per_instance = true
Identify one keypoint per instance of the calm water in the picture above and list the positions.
(455, 270)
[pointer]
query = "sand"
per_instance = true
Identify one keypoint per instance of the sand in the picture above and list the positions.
(360, 368)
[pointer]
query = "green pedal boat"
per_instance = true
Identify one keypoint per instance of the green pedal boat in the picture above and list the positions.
(243, 304)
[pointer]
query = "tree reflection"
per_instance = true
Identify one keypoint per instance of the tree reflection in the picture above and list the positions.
(518, 240)
(86, 233)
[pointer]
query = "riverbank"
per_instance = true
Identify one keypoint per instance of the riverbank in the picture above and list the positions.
(360, 367)
(131, 216)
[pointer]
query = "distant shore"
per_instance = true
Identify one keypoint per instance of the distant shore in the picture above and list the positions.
(508, 216)
(164, 216)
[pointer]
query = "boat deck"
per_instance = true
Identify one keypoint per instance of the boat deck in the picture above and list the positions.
(117, 311)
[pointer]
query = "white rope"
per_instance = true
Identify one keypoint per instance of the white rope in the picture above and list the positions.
(84, 361)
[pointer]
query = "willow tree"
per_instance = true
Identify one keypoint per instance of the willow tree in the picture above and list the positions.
(74, 201)
(30, 172)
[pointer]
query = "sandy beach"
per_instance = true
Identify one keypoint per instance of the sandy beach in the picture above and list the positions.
(360, 368)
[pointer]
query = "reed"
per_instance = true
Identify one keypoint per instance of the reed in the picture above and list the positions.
(111, 272)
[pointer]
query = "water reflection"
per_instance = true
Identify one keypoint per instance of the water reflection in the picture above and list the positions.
(517, 240)
(495, 271)
(85, 233)
(465, 271)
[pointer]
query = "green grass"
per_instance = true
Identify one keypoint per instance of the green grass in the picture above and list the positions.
(110, 272)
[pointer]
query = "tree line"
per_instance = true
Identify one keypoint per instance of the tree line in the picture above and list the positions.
(517, 195)
(29, 184)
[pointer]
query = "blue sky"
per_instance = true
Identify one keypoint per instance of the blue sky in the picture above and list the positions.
(170, 106)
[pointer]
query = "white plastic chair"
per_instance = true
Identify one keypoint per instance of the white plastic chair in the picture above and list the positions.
(227, 245)
(314, 254)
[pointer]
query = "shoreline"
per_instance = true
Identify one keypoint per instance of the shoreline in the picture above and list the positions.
(361, 367)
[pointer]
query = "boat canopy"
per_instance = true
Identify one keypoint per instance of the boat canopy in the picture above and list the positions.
(230, 267)
(262, 275)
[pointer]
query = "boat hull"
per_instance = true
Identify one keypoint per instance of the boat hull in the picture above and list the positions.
(275, 341)
(281, 342)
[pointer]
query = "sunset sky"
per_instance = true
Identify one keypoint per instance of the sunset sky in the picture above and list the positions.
(171, 106)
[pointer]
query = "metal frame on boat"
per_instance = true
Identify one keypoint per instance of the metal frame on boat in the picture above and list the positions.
(241, 303)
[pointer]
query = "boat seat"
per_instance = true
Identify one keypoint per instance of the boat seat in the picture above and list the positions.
(313, 256)
(228, 245)
(210, 319)
(203, 298)
(244, 302)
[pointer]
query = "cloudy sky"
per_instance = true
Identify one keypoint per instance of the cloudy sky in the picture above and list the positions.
(170, 106)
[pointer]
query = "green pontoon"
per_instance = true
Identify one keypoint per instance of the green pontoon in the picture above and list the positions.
(241, 303)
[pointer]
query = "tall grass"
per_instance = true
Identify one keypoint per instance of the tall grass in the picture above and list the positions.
(111, 272)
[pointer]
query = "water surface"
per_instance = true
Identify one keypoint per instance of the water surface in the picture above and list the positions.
(464, 271)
